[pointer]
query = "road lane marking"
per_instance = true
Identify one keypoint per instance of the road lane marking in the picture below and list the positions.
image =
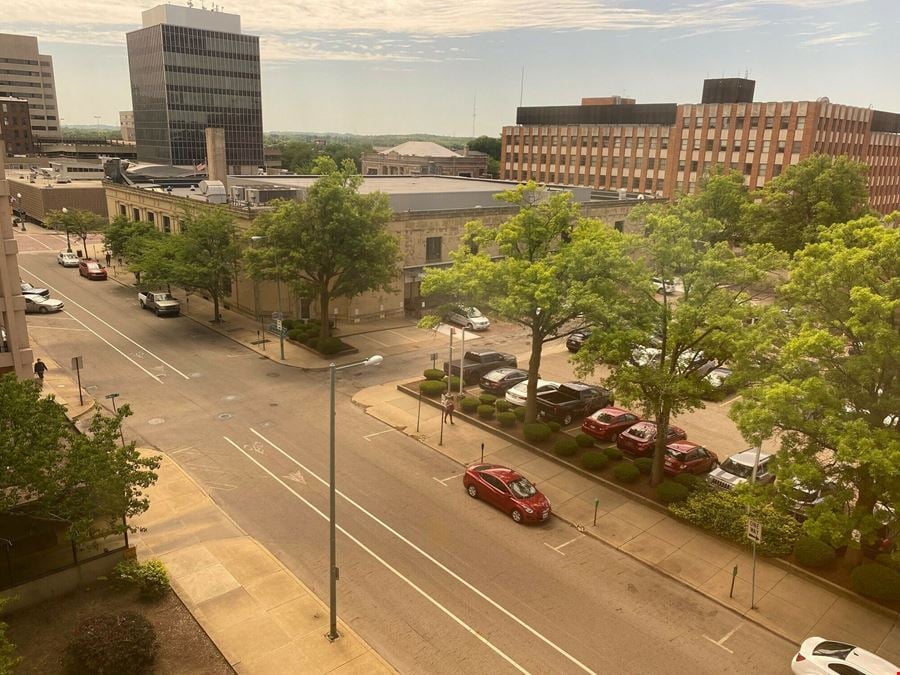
(388, 566)
(443, 481)
(33, 238)
(727, 635)
(436, 562)
(378, 433)
(566, 543)
(75, 330)
(111, 327)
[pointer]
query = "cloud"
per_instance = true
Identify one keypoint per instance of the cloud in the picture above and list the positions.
(835, 39)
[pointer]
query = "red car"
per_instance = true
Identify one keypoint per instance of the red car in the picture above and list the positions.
(640, 439)
(607, 423)
(91, 269)
(687, 457)
(509, 491)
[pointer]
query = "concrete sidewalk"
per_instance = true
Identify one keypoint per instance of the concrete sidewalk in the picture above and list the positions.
(788, 603)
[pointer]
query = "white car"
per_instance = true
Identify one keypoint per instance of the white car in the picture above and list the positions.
(518, 395)
(67, 259)
(470, 317)
(37, 304)
(663, 286)
(818, 656)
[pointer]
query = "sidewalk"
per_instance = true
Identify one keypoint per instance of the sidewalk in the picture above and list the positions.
(787, 603)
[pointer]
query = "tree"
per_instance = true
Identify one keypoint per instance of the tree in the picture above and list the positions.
(659, 349)
(832, 393)
(122, 231)
(486, 144)
(791, 210)
(51, 470)
(723, 197)
(537, 282)
(333, 244)
(77, 221)
(205, 255)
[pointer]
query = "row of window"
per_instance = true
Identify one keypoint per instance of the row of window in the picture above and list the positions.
(211, 72)
(25, 73)
(625, 162)
(151, 217)
(769, 122)
(573, 141)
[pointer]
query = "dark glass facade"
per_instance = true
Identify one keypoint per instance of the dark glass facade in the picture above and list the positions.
(184, 80)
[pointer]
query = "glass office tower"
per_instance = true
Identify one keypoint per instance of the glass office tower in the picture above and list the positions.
(192, 69)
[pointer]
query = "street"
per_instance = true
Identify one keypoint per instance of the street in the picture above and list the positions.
(435, 581)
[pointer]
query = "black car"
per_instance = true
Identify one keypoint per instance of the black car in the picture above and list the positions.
(576, 339)
(499, 380)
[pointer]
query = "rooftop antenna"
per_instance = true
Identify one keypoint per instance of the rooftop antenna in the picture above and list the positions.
(522, 87)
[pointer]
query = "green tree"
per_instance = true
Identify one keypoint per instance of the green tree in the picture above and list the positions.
(298, 156)
(79, 222)
(118, 235)
(333, 244)
(723, 197)
(51, 470)
(491, 147)
(8, 659)
(792, 209)
(832, 394)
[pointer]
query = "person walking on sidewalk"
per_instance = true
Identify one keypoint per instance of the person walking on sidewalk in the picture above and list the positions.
(39, 369)
(108, 258)
(447, 403)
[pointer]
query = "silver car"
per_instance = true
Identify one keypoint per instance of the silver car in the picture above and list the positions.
(737, 470)
(469, 317)
(518, 395)
(67, 259)
(36, 304)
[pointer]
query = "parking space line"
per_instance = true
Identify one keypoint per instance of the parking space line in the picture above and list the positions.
(378, 433)
(443, 481)
(565, 543)
(726, 636)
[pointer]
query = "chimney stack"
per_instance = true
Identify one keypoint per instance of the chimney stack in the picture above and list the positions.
(216, 166)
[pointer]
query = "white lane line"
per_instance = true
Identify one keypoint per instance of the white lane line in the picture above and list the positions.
(553, 548)
(378, 433)
(33, 238)
(32, 326)
(730, 401)
(727, 635)
(443, 481)
(565, 543)
(439, 564)
(387, 565)
(85, 309)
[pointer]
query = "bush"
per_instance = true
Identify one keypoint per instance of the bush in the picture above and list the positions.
(453, 381)
(536, 432)
(519, 413)
(330, 345)
(506, 419)
(644, 465)
(296, 334)
(434, 374)
(888, 560)
(876, 581)
(432, 387)
(502, 405)
(150, 578)
(486, 412)
(554, 426)
(112, 643)
(725, 513)
(487, 399)
(691, 482)
(811, 552)
(565, 446)
(469, 404)
(594, 461)
(584, 441)
(670, 492)
(613, 454)
(313, 342)
(626, 473)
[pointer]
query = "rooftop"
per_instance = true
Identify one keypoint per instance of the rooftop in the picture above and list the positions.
(421, 149)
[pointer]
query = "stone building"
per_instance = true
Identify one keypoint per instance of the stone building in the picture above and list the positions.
(420, 158)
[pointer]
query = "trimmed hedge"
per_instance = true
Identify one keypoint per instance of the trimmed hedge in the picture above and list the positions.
(626, 473)
(469, 404)
(554, 426)
(691, 482)
(502, 405)
(112, 643)
(565, 447)
(594, 461)
(811, 552)
(536, 432)
(433, 374)
(613, 453)
(876, 581)
(432, 387)
(670, 492)
(487, 399)
(330, 345)
(486, 412)
(506, 419)
(584, 441)
(888, 560)
(644, 464)
(519, 413)
(150, 578)
(453, 380)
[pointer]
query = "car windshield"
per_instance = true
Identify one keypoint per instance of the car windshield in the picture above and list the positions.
(473, 313)
(522, 488)
(674, 455)
(733, 467)
(837, 650)
(93, 266)
(641, 431)
(605, 417)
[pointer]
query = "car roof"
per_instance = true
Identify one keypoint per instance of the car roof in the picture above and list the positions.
(682, 447)
(502, 472)
(504, 371)
(748, 456)
(614, 411)
(859, 657)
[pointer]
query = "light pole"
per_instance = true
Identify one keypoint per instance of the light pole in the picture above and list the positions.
(333, 570)
(260, 237)
(68, 243)
(19, 209)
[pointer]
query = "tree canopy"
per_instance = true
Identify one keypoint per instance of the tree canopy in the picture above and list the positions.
(77, 221)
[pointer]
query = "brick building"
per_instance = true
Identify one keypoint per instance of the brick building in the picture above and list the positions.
(15, 125)
(423, 158)
(664, 149)
(26, 73)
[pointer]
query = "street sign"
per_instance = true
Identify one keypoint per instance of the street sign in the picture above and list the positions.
(433, 356)
(278, 325)
(111, 396)
(77, 362)
(754, 531)
(276, 316)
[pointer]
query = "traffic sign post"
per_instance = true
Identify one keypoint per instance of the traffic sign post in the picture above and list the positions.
(78, 364)
(113, 398)
(754, 534)
(278, 317)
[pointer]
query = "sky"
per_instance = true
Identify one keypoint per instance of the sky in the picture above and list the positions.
(455, 66)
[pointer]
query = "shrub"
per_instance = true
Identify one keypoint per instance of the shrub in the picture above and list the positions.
(888, 560)
(565, 446)
(487, 399)
(434, 374)
(811, 552)
(584, 441)
(613, 454)
(469, 404)
(536, 432)
(626, 473)
(725, 513)
(502, 405)
(644, 465)
(453, 381)
(554, 426)
(506, 419)
(112, 643)
(432, 387)
(519, 413)
(594, 461)
(296, 334)
(313, 342)
(670, 492)
(150, 578)
(330, 345)
(691, 482)
(876, 581)
(486, 412)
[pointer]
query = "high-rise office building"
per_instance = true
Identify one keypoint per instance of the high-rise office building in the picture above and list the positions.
(26, 73)
(192, 69)
(665, 148)
(15, 125)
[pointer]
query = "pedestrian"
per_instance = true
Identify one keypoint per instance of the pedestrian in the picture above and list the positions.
(449, 405)
(108, 258)
(39, 369)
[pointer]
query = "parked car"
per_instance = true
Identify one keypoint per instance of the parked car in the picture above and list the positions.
(572, 400)
(38, 304)
(607, 423)
(478, 363)
(28, 289)
(687, 457)
(802, 498)
(91, 269)
(663, 286)
(67, 259)
(639, 440)
(470, 317)
(518, 395)
(818, 656)
(499, 380)
(719, 385)
(508, 490)
(576, 339)
(738, 469)
(159, 303)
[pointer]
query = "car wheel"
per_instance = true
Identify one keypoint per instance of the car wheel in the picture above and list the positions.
(614, 437)
(516, 515)
(470, 326)
(156, 311)
(142, 304)
(473, 491)
(43, 310)
(567, 420)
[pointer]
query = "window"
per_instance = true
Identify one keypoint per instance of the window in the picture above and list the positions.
(785, 122)
(167, 224)
(801, 122)
(751, 145)
(664, 142)
(653, 142)
(696, 144)
(712, 123)
(770, 122)
(662, 163)
(495, 483)
(606, 141)
(684, 143)
(754, 122)
(619, 225)
(748, 169)
(681, 165)
(636, 183)
(628, 142)
(694, 166)
(739, 123)
(135, 214)
(123, 210)
(795, 148)
(151, 217)
(432, 249)
(726, 122)
(651, 162)
(781, 146)
(709, 144)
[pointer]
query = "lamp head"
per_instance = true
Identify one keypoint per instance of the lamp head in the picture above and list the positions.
(257, 237)
(374, 360)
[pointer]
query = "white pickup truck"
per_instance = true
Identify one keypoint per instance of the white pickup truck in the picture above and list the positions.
(160, 303)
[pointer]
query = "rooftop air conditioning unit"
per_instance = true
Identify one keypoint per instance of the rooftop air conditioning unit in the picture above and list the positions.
(214, 191)
(237, 193)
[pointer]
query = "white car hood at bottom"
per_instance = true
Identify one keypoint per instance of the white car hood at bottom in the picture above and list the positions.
(722, 479)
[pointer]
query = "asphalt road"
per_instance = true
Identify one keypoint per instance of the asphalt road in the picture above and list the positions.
(435, 581)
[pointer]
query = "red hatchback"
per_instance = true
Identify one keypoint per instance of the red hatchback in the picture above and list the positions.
(509, 491)
(687, 457)
(640, 439)
(607, 423)
(91, 269)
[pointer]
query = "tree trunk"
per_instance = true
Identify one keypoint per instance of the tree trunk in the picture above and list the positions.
(84, 241)
(865, 504)
(325, 329)
(215, 297)
(659, 452)
(534, 368)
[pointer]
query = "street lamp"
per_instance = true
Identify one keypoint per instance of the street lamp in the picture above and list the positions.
(333, 573)
(68, 243)
(260, 237)
(19, 209)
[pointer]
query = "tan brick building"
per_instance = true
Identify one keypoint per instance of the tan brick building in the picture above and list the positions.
(664, 149)
(423, 158)
(15, 126)
(26, 73)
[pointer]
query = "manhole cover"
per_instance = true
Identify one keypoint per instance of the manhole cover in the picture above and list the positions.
(156, 420)
(273, 405)
(224, 416)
